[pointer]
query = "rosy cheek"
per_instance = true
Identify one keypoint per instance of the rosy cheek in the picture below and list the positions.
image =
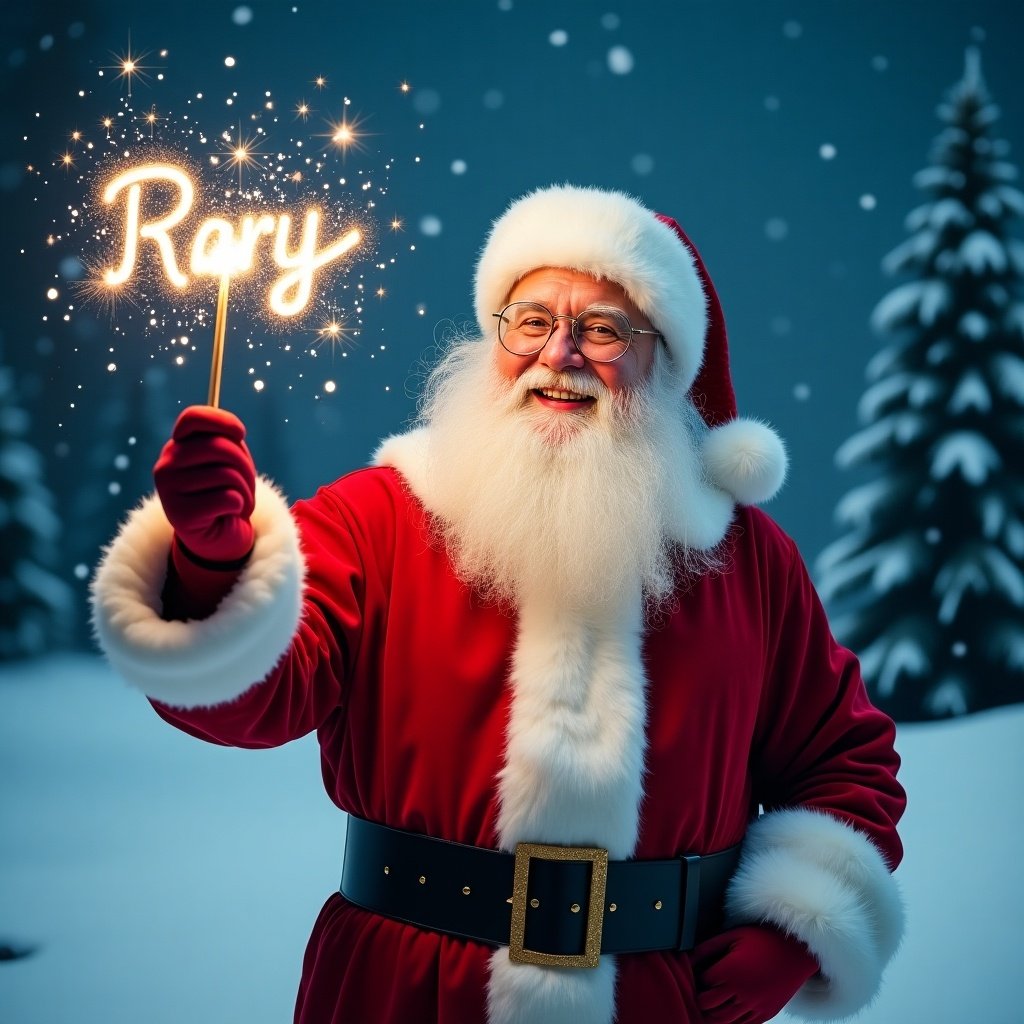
(507, 365)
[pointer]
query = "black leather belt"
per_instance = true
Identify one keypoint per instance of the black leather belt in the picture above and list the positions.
(553, 905)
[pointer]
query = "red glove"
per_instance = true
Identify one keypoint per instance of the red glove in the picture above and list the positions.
(206, 480)
(747, 975)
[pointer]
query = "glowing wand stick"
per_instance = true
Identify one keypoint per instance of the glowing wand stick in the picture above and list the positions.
(220, 325)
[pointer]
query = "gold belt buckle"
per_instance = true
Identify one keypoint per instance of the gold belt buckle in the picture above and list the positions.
(591, 955)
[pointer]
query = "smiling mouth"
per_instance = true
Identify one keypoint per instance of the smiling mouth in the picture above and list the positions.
(561, 395)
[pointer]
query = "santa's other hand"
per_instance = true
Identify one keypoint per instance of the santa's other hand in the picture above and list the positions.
(746, 975)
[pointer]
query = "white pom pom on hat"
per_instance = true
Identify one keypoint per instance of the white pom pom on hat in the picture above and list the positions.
(611, 235)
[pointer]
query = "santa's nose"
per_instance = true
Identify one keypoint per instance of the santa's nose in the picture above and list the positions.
(561, 352)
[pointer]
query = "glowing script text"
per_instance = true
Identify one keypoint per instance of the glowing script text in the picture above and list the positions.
(219, 248)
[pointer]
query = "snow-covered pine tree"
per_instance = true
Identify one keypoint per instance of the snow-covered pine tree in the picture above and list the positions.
(34, 603)
(927, 584)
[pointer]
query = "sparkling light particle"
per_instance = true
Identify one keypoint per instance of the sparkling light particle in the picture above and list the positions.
(827, 151)
(330, 386)
(52, 293)
(559, 37)
(868, 201)
(229, 62)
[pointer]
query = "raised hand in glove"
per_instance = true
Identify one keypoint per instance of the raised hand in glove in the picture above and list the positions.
(206, 480)
(746, 975)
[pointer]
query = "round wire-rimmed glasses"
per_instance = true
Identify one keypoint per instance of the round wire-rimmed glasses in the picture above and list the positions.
(601, 334)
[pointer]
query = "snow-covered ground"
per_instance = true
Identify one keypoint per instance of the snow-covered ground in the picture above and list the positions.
(168, 881)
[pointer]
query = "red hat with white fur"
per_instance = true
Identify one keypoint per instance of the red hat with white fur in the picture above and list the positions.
(612, 236)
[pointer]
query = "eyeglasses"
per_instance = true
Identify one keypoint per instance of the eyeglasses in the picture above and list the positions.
(601, 334)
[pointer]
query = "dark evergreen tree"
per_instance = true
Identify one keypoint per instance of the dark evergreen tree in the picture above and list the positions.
(34, 602)
(927, 583)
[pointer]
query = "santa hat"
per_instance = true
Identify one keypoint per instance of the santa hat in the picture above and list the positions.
(612, 236)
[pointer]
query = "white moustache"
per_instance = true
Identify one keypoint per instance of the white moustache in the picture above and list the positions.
(578, 381)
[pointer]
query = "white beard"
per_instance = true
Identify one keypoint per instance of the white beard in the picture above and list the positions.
(587, 508)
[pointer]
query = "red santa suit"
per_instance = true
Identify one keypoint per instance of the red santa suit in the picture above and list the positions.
(441, 714)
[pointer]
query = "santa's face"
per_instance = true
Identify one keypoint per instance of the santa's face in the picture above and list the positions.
(570, 292)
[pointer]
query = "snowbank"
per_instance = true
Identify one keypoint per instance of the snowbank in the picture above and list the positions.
(167, 880)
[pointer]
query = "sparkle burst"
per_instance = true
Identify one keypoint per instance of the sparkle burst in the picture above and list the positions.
(129, 65)
(244, 154)
(345, 134)
(152, 119)
(274, 164)
(334, 331)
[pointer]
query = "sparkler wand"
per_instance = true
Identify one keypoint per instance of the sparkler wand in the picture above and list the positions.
(219, 248)
(220, 326)
(275, 242)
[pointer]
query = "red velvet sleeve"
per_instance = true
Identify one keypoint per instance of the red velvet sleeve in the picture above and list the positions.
(819, 741)
(310, 681)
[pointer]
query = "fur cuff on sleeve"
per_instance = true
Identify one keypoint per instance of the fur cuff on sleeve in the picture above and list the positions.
(827, 884)
(203, 662)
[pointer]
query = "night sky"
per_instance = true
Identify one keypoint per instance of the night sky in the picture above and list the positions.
(782, 136)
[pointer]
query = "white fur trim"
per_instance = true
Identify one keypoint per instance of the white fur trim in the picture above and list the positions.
(573, 775)
(606, 234)
(524, 994)
(575, 740)
(747, 459)
(210, 661)
(408, 453)
(825, 883)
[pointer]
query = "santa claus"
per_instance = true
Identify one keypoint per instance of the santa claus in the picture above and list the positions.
(602, 756)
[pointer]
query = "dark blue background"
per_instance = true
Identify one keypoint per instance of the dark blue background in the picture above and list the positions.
(731, 102)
